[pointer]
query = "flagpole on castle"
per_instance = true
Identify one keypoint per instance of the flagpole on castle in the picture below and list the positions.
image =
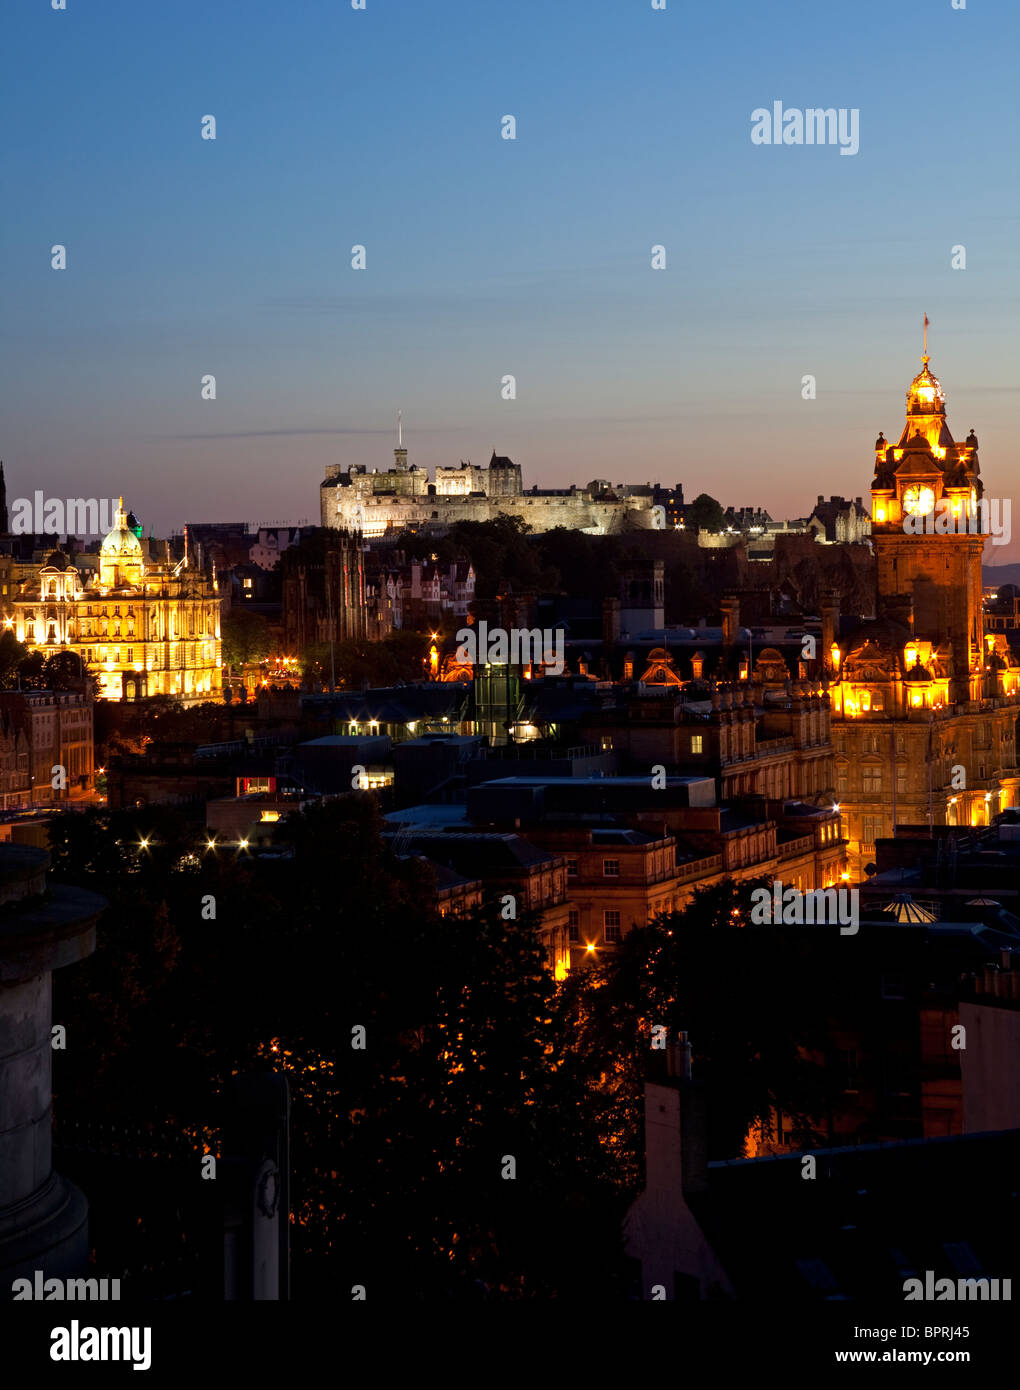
(925, 332)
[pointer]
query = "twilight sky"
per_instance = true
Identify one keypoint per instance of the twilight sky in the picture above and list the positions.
(487, 256)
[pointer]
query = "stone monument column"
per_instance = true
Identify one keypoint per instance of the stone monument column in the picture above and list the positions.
(43, 1218)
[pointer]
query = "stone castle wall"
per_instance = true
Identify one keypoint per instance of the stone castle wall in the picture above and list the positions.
(374, 515)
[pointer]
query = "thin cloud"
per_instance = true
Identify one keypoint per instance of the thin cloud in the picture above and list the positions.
(299, 430)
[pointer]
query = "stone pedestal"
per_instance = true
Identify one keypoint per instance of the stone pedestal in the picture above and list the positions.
(43, 1218)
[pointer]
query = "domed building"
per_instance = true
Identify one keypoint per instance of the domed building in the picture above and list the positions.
(120, 556)
(925, 701)
(142, 627)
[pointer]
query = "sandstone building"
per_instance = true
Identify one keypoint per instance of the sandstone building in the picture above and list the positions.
(142, 627)
(924, 701)
(403, 498)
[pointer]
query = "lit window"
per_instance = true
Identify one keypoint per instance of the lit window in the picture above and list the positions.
(697, 743)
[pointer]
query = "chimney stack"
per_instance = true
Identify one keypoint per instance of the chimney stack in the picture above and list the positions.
(610, 621)
(730, 619)
(830, 626)
(678, 1057)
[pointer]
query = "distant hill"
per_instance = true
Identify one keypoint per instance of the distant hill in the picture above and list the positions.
(1000, 574)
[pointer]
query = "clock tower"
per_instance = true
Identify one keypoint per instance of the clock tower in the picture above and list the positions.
(924, 702)
(927, 532)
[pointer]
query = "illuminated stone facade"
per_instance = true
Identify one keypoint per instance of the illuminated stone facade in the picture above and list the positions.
(403, 498)
(924, 702)
(142, 628)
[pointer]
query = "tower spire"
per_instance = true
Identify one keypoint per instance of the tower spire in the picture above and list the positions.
(400, 453)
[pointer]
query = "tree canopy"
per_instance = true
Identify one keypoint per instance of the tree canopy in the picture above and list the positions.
(398, 1148)
(246, 637)
(703, 514)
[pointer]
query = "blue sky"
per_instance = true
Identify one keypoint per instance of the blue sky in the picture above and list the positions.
(487, 257)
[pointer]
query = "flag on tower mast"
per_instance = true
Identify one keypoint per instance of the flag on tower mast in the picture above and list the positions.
(926, 337)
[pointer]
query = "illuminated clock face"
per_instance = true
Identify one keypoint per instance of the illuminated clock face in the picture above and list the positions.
(919, 501)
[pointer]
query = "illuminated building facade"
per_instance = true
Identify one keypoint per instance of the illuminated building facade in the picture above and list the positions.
(403, 498)
(142, 628)
(924, 701)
